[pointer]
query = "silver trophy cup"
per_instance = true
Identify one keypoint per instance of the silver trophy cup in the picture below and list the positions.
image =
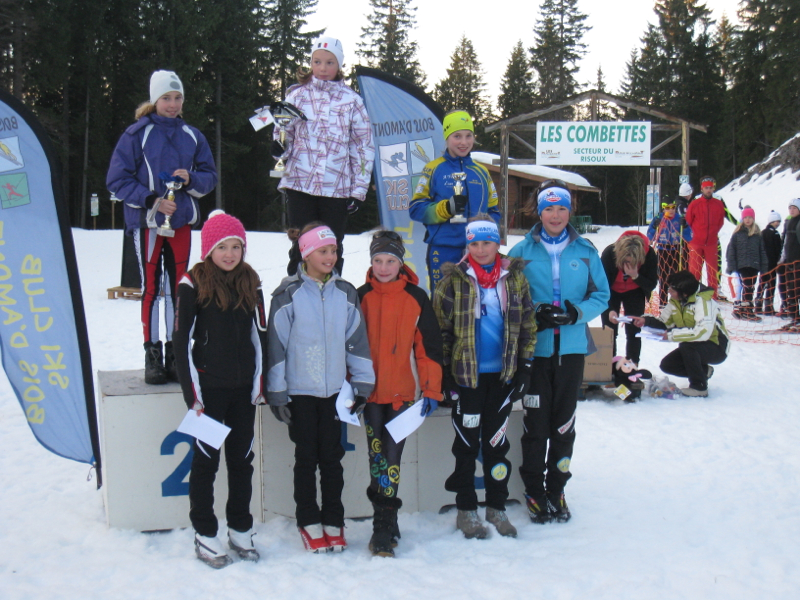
(283, 113)
(458, 190)
(166, 229)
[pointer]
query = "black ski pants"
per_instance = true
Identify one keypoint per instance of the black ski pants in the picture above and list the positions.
(691, 360)
(302, 209)
(634, 303)
(317, 435)
(234, 409)
(480, 418)
(550, 412)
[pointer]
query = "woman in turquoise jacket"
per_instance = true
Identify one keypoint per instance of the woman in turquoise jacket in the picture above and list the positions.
(569, 288)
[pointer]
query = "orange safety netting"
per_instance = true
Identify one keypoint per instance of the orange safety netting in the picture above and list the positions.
(759, 310)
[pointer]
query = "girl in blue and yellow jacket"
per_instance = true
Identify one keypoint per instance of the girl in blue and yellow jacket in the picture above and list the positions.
(434, 203)
(569, 288)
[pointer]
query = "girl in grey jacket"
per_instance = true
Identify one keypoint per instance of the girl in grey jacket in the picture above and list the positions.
(316, 335)
(747, 257)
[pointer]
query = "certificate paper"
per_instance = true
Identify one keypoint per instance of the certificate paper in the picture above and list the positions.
(344, 402)
(204, 428)
(406, 423)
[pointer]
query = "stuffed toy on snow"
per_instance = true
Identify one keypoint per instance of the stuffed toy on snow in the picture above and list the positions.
(629, 379)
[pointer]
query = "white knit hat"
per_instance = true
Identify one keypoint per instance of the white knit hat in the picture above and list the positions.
(774, 216)
(685, 190)
(795, 203)
(330, 44)
(162, 82)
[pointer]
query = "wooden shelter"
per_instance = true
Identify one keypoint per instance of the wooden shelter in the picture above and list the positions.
(513, 126)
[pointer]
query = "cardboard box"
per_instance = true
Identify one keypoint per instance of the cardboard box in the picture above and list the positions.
(597, 367)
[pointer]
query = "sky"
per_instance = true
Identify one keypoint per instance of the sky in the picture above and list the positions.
(617, 26)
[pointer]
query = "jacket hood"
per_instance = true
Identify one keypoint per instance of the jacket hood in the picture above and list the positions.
(406, 275)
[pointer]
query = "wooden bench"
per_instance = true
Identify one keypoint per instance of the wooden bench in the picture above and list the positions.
(127, 293)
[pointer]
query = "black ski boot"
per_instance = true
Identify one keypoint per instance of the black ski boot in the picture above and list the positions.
(170, 366)
(154, 373)
(557, 503)
(382, 542)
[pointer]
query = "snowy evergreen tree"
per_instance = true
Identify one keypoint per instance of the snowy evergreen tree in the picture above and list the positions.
(386, 43)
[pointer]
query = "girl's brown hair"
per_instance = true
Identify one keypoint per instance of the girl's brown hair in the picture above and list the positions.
(145, 108)
(223, 287)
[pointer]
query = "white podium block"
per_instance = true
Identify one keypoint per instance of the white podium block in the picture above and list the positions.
(146, 462)
(427, 462)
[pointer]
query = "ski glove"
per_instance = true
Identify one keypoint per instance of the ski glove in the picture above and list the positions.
(655, 222)
(522, 380)
(428, 406)
(449, 391)
(282, 413)
(457, 205)
(358, 406)
(277, 149)
(549, 316)
(684, 224)
(572, 312)
(352, 206)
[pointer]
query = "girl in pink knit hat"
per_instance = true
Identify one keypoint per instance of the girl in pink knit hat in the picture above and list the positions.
(747, 258)
(220, 330)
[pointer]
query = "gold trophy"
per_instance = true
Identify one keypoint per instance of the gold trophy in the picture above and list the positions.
(458, 190)
(166, 229)
(283, 113)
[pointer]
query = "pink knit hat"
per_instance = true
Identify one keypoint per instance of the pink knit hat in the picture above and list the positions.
(748, 212)
(220, 226)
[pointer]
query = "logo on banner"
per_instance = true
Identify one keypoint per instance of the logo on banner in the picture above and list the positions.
(394, 160)
(14, 190)
(10, 156)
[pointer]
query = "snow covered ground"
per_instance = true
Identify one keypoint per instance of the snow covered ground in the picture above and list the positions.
(686, 498)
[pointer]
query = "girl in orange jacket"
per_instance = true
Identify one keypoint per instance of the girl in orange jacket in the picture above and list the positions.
(406, 348)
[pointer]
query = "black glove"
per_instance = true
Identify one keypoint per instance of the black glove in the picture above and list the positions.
(458, 204)
(684, 224)
(352, 206)
(549, 316)
(655, 222)
(572, 312)
(450, 391)
(277, 149)
(358, 406)
(522, 380)
(282, 413)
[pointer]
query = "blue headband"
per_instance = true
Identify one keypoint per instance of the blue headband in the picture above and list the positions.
(554, 196)
(483, 231)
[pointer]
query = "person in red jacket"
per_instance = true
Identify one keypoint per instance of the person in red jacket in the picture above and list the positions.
(406, 348)
(705, 216)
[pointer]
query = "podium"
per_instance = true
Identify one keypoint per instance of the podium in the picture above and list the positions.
(147, 462)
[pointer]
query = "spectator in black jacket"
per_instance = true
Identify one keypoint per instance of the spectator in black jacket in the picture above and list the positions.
(632, 271)
(773, 244)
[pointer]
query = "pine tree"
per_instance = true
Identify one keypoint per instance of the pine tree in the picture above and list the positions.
(286, 48)
(386, 42)
(516, 89)
(765, 65)
(558, 32)
(464, 87)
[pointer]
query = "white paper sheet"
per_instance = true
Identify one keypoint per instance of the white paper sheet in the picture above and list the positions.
(344, 402)
(204, 428)
(624, 319)
(407, 422)
(651, 333)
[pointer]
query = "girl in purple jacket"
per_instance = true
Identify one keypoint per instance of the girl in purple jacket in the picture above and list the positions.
(157, 148)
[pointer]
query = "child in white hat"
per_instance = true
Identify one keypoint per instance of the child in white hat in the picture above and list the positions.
(328, 157)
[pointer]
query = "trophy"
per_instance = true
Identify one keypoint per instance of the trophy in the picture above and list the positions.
(283, 113)
(172, 183)
(458, 190)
